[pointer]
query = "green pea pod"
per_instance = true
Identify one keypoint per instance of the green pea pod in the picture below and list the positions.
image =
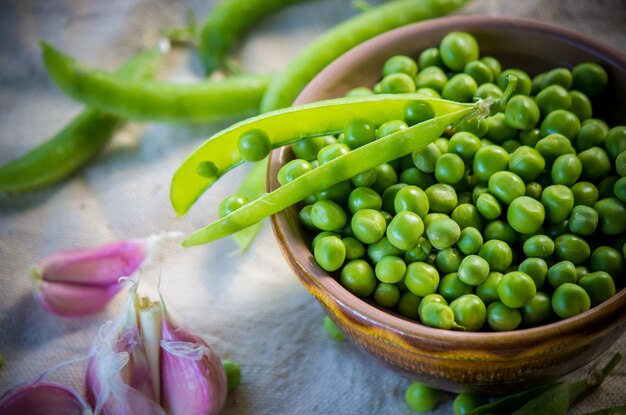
(286, 126)
(252, 187)
(506, 405)
(78, 142)
(226, 22)
(286, 86)
(211, 100)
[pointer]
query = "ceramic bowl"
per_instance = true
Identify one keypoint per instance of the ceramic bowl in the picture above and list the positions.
(488, 362)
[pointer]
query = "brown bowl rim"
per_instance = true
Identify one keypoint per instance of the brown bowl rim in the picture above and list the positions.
(300, 257)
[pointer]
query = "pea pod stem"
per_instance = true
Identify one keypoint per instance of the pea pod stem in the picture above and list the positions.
(76, 143)
(211, 100)
(286, 126)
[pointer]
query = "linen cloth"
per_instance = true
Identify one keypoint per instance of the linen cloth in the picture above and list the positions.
(249, 306)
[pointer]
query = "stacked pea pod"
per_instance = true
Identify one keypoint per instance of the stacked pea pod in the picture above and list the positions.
(512, 222)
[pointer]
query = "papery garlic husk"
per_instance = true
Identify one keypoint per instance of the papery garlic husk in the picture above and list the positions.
(39, 397)
(82, 281)
(192, 376)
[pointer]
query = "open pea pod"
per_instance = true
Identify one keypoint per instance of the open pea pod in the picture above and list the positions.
(287, 126)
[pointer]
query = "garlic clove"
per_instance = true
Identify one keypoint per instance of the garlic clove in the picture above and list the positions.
(71, 300)
(192, 376)
(36, 397)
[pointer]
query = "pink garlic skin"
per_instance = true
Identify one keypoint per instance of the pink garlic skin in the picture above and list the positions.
(190, 386)
(34, 398)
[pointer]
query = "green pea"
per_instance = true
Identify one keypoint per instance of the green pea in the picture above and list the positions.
(368, 225)
(516, 289)
(467, 215)
(354, 248)
(558, 201)
(498, 131)
(620, 189)
(608, 259)
(254, 145)
(523, 81)
(535, 84)
(620, 164)
(606, 186)
(569, 300)
(207, 169)
(461, 88)
(611, 214)
(589, 78)
(498, 254)
(328, 215)
(385, 177)
(488, 290)
(488, 206)
(231, 203)
(448, 260)
(503, 318)
(521, 112)
(360, 91)
(390, 127)
(566, 169)
(443, 232)
(431, 298)
(595, 163)
(397, 83)
(438, 315)
(412, 199)
(489, 160)
(381, 249)
(527, 163)
(534, 189)
(429, 57)
(581, 106)
(581, 271)
(525, 215)
(506, 186)
(389, 196)
(442, 143)
(499, 229)
(470, 240)
(321, 235)
(405, 230)
(365, 179)
(415, 177)
(464, 144)
(428, 92)
(358, 132)
(615, 141)
(457, 49)
(449, 168)
(364, 198)
(488, 90)
(552, 98)
(464, 403)
(426, 158)
(332, 330)
(331, 151)
(583, 220)
(308, 148)
(469, 312)
(416, 112)
(535, 268)
(561, 122)
(530, 137)
(557, 76)
(451, 287)
(538, 310)
(431, 77)
(479, 71)
(599, 286)
(292, 170)
(357, 276)
(442, 198)
(562, 272)
(338, 193)
(390, 269)
(330, 253)
(233, 374)
(554, 230)
(386, 295)
(473, 270)
(400, 64)
(493, 64)
(305, 218)
(408, 305)
(421, 278)
(585, 193)
(419, 253)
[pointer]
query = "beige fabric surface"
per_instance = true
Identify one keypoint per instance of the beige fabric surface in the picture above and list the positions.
(249, 306)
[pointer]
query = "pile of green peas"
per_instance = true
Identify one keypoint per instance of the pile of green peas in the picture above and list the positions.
(517, 221)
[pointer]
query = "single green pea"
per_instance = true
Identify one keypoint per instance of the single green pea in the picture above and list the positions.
(469, 312)
(500, 229)
(503, 318)
(358, 132)
(566, 169)
(489, 160)
(480, 187)
(442, 198)
(449, 168)
(364, 198)
(421, 397)
(330, 253)
(338, 193)
(421, 278)
(390, 269)
(467, 215)
(428, 92)
(470, 240)
(354, 248)
(381, 249)
(408, 305)
(619, 189)
(332, 330)
(479, 71)
(405, 230)
(442, 143)
(534, 189)
(233, 374)
(385, 177)
(554, 230)
(365, 179)
(207, 169)
(595, 163)
(357, 276)
(332, 151)
(413, 199)
(581, 271)
(448, 260)
(416, 112)
(535, 268)
(426, 157)
(389, 196)
(552, 146)
(457, 49)
(535, 84)
(527, 163)
(451, 287)
(538, 310)
(608, 259)
(464, 144)
(308, 148)
(615, 141)
(400, 64)
(569, 300)
(498, 131)
(360, 91)
(231, 203)
(521, 112)
(590, 78)
(558, 201)
(488, 206)
(323, 234)
(292, 170)
(583, 220)
(493, 64)
(429, 57)
(473, 270)
(386, 295)
(581, 105)
(561, 122)
(390, 127)
(506, 186)
(431, 77)
(254, 145)
(562, 272)
(524, 83)
(606, 186)
(415, 177)
(420, 252)
(526, 215)
(397, 83)
(304, 215)
(488, 90)
(557, 76)
(488, 290)
(498, 254)
(552, 98)
(438, 315)
(620, 164)
(443, 232)
(611, 214)
(529, 137)
(511, 145)
(328, 215)
(465, 403)
(461, 88)
(585, 193)
(368, 225)
(599, 286)
(516, 289)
